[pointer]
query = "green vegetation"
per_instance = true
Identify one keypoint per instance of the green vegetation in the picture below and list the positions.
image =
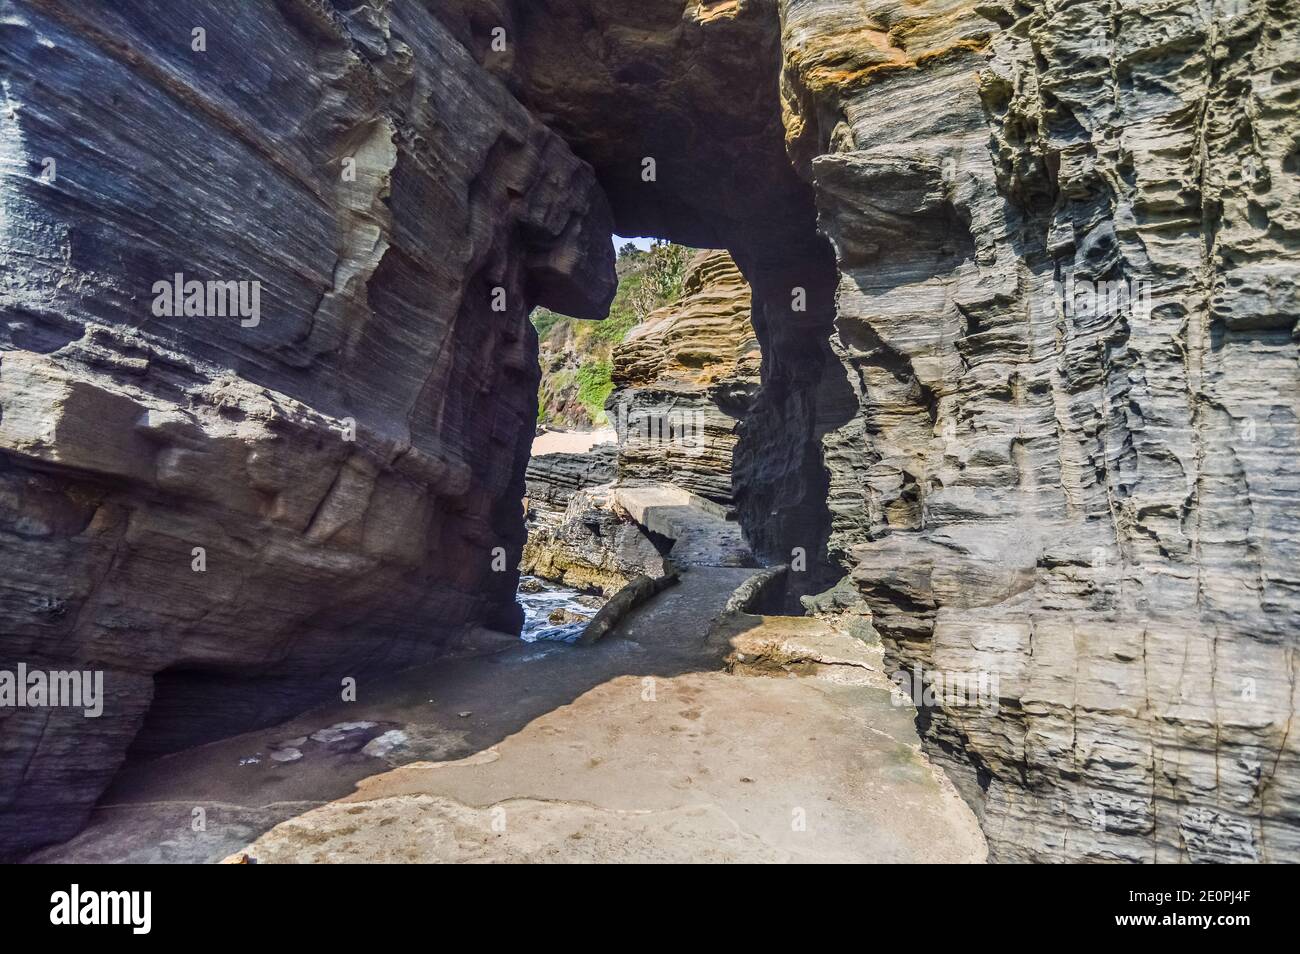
(622, 318)
(661, 279)
(574, 388)
(594, 386)
(544, 320)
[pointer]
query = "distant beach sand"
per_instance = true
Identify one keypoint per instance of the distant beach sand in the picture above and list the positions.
(572, 442)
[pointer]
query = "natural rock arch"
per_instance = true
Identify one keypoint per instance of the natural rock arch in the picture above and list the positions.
(1097, 504)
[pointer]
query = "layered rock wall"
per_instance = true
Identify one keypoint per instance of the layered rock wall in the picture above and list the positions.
(1067, 246)
(1036, 396)
(683, 382)
(227, 516)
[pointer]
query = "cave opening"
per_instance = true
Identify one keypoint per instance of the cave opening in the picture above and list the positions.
(724, 390)
(193, 705)
(692, 147)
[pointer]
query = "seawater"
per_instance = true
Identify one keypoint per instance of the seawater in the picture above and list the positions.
(540, 599)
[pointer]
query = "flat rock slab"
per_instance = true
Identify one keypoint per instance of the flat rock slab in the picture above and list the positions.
(700, 767)
(701, 533)
(640, 748)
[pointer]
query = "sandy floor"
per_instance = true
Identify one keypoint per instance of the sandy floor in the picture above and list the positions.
(572, 442)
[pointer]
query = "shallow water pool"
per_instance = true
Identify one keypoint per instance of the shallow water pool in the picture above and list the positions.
(554, 613)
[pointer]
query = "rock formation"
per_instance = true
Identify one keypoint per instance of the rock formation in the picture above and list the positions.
(677, 106)
(684, 380)
(1068, 252)
(229, 515)
(554, 479)
(1022, 275)
(1048, 424)
(575, 534)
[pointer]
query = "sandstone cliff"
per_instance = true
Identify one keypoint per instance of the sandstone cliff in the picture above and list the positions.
(685, 379)
(682, 381)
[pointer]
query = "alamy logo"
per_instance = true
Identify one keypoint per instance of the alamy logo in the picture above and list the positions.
(55, 688)
(1087, 299)
(75, 907)
(681, 429)
(934, 687)
(211, 299)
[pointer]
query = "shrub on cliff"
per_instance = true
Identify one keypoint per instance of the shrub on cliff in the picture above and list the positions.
(577, 356)
(594, 385)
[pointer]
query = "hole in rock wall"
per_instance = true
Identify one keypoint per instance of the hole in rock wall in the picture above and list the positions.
(195, 705)
(709, 382)
(687, 140)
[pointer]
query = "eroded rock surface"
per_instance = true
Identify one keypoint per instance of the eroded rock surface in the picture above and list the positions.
(684, 380)
(1037, 395)
(348, 461)
(591, 544)
(1067, 253)
(1048, 422)
(553, 479)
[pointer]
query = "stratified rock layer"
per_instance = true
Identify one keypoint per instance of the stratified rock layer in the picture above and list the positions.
(575, 534)
(227, 517)
(1038, 396)
(683, 381)
(553, 479)
(1068, 259)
